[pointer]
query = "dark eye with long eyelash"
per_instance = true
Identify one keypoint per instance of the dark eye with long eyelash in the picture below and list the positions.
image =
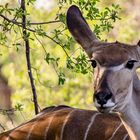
(130, 64)
(93, 63)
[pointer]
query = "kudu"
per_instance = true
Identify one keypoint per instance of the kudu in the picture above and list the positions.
(116, 84)
(66, 123)
(116, 88)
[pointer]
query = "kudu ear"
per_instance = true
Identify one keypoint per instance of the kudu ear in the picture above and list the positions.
(80, 30)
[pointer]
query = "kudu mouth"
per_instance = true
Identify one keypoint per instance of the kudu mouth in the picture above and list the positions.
(103, 101)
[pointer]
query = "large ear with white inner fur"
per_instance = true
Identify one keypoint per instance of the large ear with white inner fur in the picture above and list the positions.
(80, 30)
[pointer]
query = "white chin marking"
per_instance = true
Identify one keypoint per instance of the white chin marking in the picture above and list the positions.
(108, 104)
(96, 103)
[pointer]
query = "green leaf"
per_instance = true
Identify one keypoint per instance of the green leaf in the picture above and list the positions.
(49, 59)
(70, 64)
(61, 78)
(30, 2)
(19, 107)
(62, 18)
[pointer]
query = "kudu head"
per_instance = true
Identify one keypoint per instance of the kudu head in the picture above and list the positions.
(114, 64)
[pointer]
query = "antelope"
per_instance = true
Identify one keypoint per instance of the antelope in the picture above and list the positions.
(67, 123)
(116, 83)
(116, 89)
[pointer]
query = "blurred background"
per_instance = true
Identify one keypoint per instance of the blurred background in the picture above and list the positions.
(57, 82)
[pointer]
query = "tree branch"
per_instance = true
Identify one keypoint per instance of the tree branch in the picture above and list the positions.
(10, 20)
(27, 45)
(32, 30)
(2, 127)
(45, 22)
(31, 23)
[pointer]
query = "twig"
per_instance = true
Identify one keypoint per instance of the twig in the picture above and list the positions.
(31, 23)
(2, 127)
(8, 111)
(52, 40)
(9, 117)
(45, 22)
(27, 45)
(40, 43)
(9, 20)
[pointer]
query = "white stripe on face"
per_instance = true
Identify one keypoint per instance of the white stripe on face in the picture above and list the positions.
(113, 68)
(109, 103)
(117, 68)
(90, 124)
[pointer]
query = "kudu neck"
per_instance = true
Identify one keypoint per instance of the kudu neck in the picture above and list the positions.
(131, 113)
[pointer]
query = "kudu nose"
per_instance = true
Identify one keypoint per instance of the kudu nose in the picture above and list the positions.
(102, 97)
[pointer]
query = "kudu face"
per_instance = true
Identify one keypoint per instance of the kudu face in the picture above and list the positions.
(114, 70)
(114, 64)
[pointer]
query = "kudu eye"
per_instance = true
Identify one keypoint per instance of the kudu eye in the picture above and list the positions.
(93, 63)
(130, 64)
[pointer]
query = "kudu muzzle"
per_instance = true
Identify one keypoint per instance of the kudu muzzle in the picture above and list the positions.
(101, 98)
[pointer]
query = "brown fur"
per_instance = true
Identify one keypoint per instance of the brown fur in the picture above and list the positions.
(113, 54)
(75, 128)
